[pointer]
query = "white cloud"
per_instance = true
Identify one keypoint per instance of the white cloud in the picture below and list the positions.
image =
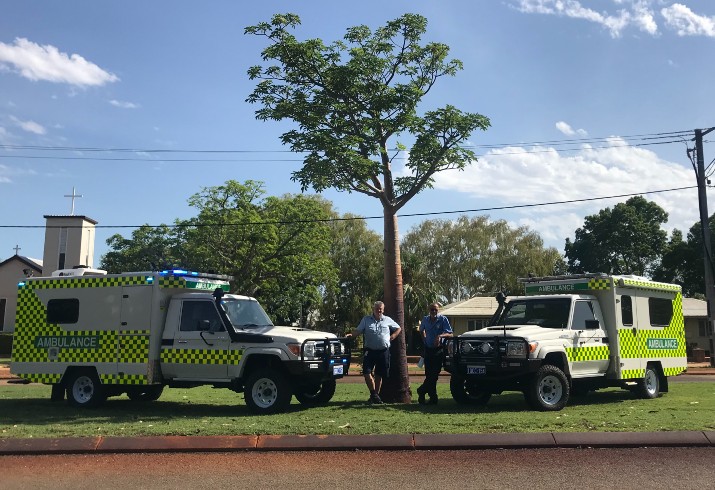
(566, 129)
(624, 14)
(4, 174)
(615, 23)
(47, 63)
(29, 126)
(688, 23)
(124, 105)
(525, 176)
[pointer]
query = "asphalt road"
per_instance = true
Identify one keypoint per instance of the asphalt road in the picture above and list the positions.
(643, 468)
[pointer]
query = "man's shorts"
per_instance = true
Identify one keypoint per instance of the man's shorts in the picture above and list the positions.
(379, 360)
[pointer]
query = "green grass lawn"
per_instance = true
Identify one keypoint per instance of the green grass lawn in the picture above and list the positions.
(27, 412)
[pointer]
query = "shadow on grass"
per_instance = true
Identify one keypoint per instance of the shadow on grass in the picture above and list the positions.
(40, 411)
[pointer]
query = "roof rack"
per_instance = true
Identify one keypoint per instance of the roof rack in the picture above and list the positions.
(588, 275)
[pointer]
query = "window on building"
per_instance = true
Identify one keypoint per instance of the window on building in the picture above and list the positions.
(661, 311)
(626, 310)
(63, 311)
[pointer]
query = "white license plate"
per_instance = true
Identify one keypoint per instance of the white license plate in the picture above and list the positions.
(337, 370)
(476, 370)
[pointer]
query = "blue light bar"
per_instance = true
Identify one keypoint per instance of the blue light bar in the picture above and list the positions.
(179, 272)
(21, 284)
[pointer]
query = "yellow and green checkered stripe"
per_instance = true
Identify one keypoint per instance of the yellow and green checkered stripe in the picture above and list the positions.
(601, 284)
(125, 346)
(200, 356)
(588, 353)
(661, 286)
(635, 346)
(86, 282)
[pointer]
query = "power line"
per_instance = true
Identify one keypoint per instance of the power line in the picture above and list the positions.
(354, 218)
(645, 139)
(253, 160)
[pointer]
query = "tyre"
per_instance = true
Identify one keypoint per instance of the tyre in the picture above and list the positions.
(266, 391)
(84, 389)
(467, 393)
(548, 390)
(147, 393)
(649, 386)
(316, 393)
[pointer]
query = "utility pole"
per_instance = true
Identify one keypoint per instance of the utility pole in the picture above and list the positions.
(705, 227)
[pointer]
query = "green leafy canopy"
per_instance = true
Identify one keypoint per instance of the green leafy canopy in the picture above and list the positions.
(350, 97)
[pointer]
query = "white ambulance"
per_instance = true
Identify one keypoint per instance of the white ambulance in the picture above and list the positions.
(573, 334)
(92, 335)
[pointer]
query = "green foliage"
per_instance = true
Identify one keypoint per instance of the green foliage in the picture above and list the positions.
(455, 260)
(149, 249)
(627, 239)
(276, 248)
(351, 96)
(356, 253)
(683, 261)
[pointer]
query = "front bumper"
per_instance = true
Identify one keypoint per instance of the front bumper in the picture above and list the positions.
(494, 369)
(332, 361)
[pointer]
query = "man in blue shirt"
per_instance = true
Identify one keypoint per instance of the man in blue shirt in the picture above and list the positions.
(435, 328)
(378, 331)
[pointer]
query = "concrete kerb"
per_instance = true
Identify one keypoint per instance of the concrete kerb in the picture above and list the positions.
(168, 444)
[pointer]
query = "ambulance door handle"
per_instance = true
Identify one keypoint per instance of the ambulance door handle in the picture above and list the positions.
(183, 341)
(634, 330)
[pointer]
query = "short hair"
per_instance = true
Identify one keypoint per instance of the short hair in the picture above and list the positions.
(377, 304)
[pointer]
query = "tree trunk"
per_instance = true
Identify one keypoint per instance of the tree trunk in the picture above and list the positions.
(396, 388)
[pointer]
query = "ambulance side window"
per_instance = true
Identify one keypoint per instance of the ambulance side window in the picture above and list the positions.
(194, 312)
(626, 310)
(582, 311)
(63, 311)
(660, 311)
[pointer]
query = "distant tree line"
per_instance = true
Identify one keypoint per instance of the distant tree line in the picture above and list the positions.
(310, 266)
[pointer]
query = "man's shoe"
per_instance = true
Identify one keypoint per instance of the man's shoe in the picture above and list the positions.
(421, 396)
(433, 400)
(376, 400)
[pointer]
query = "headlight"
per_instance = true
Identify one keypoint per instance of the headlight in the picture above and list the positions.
(466, 348)
(516, 349)
(309, 349)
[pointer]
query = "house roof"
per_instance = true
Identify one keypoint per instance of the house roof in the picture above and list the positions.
(479, 306)
(694, 308)
(28, 261)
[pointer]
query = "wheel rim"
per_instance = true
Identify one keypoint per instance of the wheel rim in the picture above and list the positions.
(550, 390)
(651, 382)
(83, 389)
(264, 392)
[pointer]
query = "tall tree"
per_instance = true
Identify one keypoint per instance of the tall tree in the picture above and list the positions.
(627, 239)
(471, 256)
(683, 260)
(276, 248)
(351, 100)
(150, 248)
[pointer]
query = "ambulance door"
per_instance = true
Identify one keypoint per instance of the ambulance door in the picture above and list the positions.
(630, 334)
(133, 334)
(590, 351)
(201, 343)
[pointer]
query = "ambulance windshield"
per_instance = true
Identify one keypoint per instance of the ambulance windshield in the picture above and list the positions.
(544, 312)
(245, 313)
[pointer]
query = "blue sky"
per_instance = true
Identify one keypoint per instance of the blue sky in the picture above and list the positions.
(171, 75)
